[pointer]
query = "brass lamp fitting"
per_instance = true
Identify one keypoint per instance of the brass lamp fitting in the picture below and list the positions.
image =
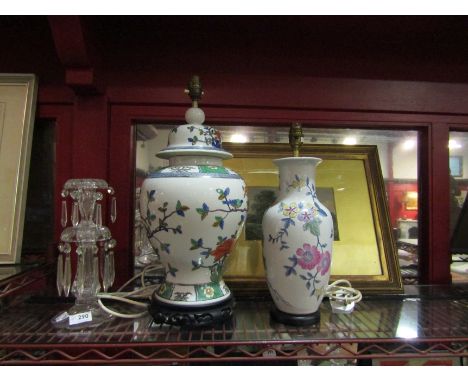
(295, 137)
(194, 90)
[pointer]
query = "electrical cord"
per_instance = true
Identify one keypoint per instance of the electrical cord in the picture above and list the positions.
(336, 292)
(343, 294)
(144, 292)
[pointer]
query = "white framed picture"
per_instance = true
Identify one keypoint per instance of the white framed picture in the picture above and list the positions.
(17, 110)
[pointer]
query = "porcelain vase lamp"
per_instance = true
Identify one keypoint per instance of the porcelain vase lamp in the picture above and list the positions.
(298, 238)
(193, 212)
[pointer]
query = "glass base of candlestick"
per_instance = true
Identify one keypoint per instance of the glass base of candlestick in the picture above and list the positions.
(81, 316)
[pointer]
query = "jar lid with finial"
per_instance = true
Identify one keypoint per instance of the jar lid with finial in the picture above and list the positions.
(194, 138)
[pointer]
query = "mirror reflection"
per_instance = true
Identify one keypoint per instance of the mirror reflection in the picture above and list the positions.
(398, 158)
(458, 165)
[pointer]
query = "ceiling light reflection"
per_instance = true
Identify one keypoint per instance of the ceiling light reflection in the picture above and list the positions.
(350, 141)
(238, 138)
(409, 144)
(453, 144)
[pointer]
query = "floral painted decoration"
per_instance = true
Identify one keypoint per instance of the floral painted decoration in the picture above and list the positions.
(309, 258)
(163, 224)
(216, 256)
(307, 213)
(232, 205)
(206, 134)
(325, 263)
(314, 259)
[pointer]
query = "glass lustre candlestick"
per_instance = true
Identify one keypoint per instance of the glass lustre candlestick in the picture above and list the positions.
(92, 245)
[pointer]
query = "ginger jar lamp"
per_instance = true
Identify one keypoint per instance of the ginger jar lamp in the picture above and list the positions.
(193, 211)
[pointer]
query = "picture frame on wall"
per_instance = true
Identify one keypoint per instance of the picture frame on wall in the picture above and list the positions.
(364, 250)
(411, 200)
(18, 94)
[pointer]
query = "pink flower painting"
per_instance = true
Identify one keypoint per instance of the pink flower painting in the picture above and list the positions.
(308, 256)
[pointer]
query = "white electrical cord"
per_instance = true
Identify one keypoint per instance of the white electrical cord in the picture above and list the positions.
(343, 294)
(336, 292)
(126, 296)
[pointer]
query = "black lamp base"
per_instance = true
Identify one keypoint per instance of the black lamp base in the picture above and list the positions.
(192, 317)
(294, 319)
